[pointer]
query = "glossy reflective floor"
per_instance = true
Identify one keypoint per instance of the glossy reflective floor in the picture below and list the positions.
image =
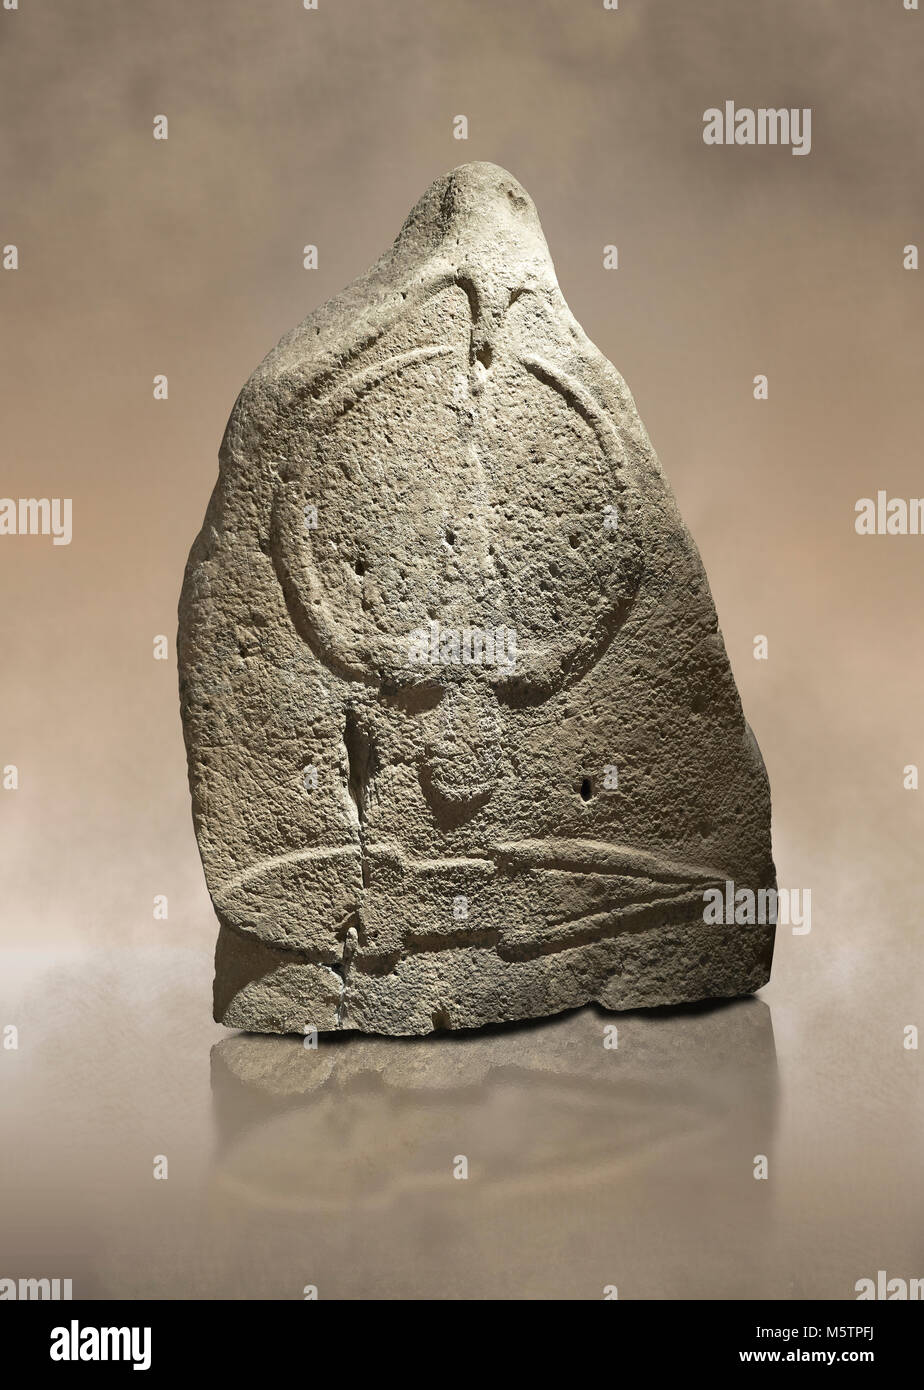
(588, 1165)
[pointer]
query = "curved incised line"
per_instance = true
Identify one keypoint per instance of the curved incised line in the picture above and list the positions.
(417, 292)
(329, 407)
(317, 854)
(520, 689)
(321, 636)
(580, 400)
(601, 857)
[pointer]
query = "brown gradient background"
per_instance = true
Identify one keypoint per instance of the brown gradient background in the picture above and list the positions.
(184, 257)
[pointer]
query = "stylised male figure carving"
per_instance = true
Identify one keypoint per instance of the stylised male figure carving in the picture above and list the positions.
(464, 745)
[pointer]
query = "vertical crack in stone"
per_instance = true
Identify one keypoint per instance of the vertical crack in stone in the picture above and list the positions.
(351, 941)
(361, 765)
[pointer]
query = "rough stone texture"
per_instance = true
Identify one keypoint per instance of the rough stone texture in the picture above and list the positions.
(465, 449)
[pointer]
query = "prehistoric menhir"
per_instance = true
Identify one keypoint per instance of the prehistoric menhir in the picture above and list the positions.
(464, 744)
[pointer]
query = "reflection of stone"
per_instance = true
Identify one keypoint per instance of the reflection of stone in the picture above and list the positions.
(439, 456)
(362, 1122)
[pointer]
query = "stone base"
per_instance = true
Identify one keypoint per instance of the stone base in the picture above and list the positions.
(263, 990)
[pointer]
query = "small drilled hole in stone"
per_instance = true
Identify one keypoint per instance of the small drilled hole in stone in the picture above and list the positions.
(586, 789)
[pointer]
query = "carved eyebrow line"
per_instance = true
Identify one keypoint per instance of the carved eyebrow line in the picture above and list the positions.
(357, 385)
(413, 295)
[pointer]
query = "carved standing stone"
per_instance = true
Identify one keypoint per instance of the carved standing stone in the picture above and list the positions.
(464, 744)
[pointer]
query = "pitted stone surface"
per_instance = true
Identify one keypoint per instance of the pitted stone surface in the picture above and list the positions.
(464, 744)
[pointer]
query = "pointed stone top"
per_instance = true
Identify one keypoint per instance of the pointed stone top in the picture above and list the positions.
(478, 213)
(475, 226)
